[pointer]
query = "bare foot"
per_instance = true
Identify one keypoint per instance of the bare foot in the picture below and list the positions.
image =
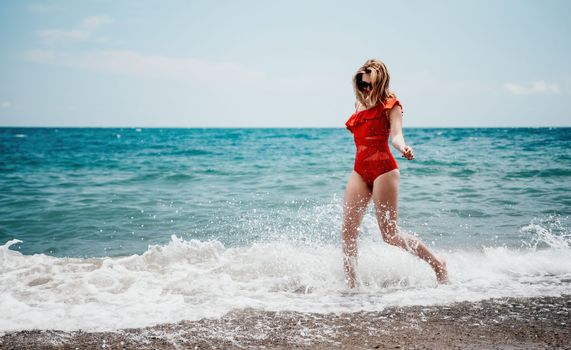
(441, 272)
(349, 267)
(350, 282)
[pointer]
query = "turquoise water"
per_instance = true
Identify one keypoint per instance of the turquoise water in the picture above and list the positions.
(112, 192)
(111, 228)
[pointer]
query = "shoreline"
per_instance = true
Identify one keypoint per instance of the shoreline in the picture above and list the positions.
(505, 323)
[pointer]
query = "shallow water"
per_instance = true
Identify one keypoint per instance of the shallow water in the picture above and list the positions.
(188, 223)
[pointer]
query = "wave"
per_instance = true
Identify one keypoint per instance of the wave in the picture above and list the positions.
(193, 279)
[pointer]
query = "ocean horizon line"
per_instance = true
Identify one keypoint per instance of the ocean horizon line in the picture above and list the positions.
(271, 127)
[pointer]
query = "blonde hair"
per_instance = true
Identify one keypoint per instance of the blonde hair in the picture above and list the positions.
(379, 83)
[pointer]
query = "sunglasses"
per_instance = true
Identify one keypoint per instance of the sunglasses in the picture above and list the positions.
(363, 84)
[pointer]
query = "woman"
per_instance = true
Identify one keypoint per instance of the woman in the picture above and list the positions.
(376, 175)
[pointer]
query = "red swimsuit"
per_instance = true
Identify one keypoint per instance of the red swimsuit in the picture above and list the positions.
(371, 129)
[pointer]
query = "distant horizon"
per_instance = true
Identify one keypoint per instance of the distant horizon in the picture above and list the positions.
(275, 127)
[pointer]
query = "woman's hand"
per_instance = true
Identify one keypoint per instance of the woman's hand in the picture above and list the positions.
(408, 153)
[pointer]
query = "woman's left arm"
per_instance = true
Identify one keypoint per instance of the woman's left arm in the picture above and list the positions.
(397, 137)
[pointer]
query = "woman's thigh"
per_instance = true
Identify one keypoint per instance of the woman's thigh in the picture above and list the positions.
(357, 196)
(386, 196)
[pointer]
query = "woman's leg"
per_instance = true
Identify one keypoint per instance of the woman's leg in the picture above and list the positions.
(385, 197)
(357, 196)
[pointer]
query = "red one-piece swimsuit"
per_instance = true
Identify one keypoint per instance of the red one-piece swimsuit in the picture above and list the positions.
(371, 129)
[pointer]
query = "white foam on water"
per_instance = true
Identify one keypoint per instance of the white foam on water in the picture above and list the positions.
(190, 280)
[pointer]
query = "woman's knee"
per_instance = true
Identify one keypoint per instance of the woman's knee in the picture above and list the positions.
(392, 239)
(355, 210)
(351, 222)
(389, 230)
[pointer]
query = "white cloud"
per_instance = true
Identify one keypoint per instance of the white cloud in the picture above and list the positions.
(148, 66)
(5, 104)
(51, 36)
(94, 22)
(537, 87)
(82, 32)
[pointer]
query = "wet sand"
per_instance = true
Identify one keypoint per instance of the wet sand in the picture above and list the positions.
(510, 323)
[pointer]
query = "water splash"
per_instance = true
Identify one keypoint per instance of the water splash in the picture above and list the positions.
(548, 232)
(194, 279)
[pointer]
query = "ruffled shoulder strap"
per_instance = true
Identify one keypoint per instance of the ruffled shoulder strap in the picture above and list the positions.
(390, 103)
(374, 112)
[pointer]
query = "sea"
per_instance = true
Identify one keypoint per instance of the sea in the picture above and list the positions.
(111, 228)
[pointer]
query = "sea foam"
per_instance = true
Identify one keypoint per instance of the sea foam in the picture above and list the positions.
(192, 279)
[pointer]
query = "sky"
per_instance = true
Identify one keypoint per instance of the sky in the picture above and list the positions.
(134, 63)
